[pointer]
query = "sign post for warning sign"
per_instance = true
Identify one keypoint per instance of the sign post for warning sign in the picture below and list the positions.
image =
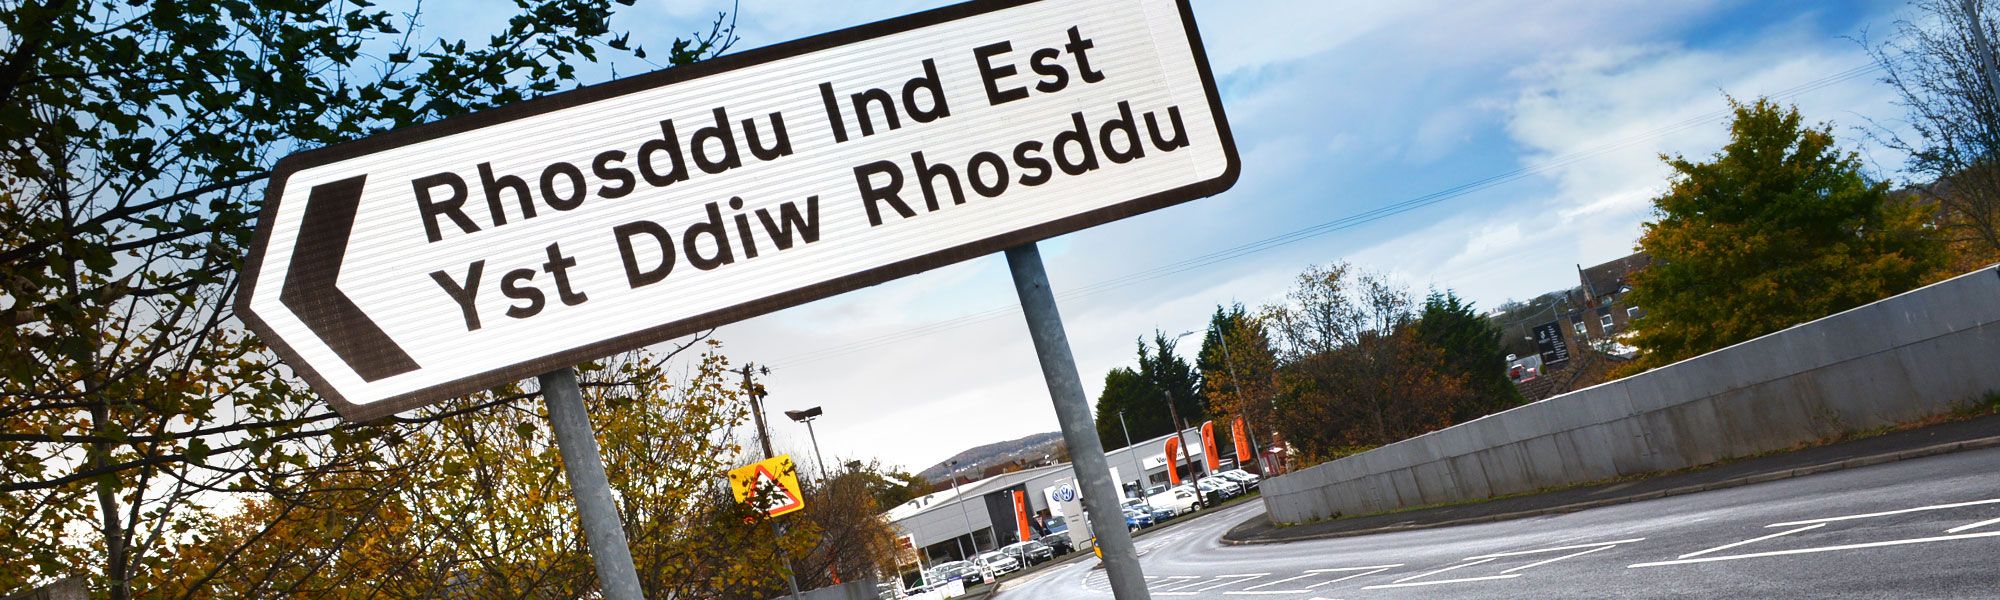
(414, 266)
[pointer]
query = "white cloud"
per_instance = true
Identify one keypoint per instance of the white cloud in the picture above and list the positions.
(1339, 108)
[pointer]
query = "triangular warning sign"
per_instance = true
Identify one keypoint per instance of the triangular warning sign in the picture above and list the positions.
(776, 472)
(791, 502)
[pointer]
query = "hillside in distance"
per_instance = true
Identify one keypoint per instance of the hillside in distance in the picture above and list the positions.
(976, 460)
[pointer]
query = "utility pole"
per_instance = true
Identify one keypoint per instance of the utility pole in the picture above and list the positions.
(756, 395)
(1236, 387)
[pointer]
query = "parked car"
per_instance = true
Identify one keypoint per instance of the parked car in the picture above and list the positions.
(957, 569)
(1155, 490)
(1059, 543)
(1136, 519)
(997, 562)
(1248, 480)
(1211, 492)
(1176, 501)
(1230, 489)
(1030, 552)
(1145, 517)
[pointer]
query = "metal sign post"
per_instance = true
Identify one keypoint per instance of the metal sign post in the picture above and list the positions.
(1086, 452)
(584, 467)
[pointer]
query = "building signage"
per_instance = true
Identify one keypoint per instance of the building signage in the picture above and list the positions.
(435, 261)
(1065, 501)
(1549, 339)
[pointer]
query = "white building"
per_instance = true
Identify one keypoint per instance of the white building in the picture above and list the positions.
(979, 516)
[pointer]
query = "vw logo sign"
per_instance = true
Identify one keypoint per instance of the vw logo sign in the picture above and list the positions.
(1064, 492)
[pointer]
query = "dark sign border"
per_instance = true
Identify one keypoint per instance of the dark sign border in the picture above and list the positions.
(796, 296)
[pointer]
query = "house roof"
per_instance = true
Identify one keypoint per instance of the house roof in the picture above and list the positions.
(1609, 278)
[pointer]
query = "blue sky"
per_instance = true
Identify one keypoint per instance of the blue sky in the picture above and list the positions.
(1339, 108)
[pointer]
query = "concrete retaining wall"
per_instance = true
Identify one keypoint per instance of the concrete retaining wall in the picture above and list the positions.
(1904, 358)
(852, 590)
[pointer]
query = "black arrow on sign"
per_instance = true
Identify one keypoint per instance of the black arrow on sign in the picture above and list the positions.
(310, 290)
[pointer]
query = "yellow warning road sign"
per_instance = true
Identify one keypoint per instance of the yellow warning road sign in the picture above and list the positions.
(776, 471)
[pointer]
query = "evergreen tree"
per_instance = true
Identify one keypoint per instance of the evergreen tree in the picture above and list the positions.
(1142, 395)
(1471, 347)
(1779, 228)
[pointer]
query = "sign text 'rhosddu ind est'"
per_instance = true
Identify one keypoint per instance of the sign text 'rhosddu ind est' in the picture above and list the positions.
(425, 263)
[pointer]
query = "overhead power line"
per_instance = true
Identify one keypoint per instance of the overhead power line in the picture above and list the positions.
(1342, 223)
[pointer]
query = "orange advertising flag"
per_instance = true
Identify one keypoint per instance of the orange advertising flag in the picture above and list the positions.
(1021, 515)
(1243, 453)
(1208, 446)
(1173, 470)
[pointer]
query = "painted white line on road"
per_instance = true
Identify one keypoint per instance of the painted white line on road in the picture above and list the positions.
(1752, 540)
(1563, 557)
(1418, 583)
(1269, 584)
(1945, 538)
(1197, 581)
(1216, 583)
(1370, 571)
(1402, 582)
(1238, 579)
(1256, 590)
(1556, 549)
(1972, 526)
(1375, 568)
(1884, 513)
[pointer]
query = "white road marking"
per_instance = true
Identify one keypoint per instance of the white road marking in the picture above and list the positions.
(1357, 572)
(1238, 579)
(1972, 526)
(1219, 581)
(1751, 540)
(1563, 557)
(1410, 581)
(1370, 571)
(1946, 538)
(1507, 574)
(1197, 581)
(1884, 513)
(1557, 549)
(1269, 584)
(1418, 583)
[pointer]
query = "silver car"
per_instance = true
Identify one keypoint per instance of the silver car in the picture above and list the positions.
(998, 563)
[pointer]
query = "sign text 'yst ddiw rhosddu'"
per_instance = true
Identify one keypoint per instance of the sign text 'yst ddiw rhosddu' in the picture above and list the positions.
(409, 267)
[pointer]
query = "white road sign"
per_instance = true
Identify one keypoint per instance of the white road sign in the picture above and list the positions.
(438, 260)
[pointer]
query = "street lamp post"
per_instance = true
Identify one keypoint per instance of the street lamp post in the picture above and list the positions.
(806, 416)
(1136, 467)
(960, 499)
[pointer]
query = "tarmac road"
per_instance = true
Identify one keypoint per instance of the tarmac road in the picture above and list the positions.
(1920, 528)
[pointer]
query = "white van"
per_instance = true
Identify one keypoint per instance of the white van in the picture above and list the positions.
(1178, 499)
